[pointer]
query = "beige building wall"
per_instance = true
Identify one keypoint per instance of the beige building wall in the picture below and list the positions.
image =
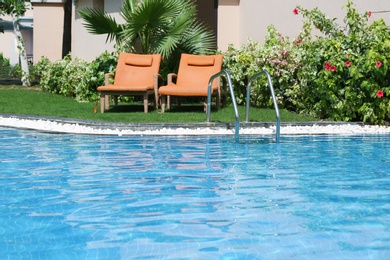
(8, 46)
(88, 46)
(48, 31)
(239, 20)
(228, 23)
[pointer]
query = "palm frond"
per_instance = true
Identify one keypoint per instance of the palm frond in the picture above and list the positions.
(127, 10)
(148, 22)
(96, 21)
(167, 46)
(198, 39)
(178, 24)
(167, 27)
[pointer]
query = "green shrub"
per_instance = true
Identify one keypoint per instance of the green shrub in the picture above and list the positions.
(74, 77)
(276, 56)
(105, 63)
(281, 59)
(241, 64)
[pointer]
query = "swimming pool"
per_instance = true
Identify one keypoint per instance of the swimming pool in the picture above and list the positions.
(207, 197)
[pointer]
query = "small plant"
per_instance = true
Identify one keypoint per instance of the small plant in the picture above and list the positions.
(8, 71)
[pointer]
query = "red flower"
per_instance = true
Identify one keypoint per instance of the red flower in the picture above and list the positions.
(327, 65)
(296, 11)
(378, 64)
(348, 63)
(369, 14)
(298, 41)
(379, 93)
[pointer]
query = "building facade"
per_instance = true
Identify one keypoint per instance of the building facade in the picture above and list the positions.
(233, 22)
(239, 20)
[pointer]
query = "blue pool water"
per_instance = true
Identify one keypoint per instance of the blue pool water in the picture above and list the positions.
(100, 197)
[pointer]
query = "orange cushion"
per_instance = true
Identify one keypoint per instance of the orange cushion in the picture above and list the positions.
(140, 61)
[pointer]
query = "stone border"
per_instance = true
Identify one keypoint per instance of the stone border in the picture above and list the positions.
(76, 126)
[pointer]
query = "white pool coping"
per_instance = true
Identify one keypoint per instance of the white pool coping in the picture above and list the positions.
(56, 125)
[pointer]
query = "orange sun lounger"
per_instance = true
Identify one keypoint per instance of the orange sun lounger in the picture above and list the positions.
(193, 78)
(136, 74)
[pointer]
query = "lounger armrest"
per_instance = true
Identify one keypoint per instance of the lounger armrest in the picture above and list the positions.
(107, 78)
(172, 78)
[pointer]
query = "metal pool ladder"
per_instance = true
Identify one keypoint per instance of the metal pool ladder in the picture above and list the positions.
(229, 81)
(248, 92)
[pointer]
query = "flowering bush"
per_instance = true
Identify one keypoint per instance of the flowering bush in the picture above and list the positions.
(345, 72)
(342, 74)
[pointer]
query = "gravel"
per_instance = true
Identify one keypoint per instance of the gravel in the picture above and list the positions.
(61, 125)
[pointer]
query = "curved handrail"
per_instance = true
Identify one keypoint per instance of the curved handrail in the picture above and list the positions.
(248, 91)
(226, 73)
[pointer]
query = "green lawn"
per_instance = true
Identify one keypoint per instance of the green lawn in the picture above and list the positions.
(19, 100)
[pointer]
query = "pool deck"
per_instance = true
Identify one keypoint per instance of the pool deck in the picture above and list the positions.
(67, 125)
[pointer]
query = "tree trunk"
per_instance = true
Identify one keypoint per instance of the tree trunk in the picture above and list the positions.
(67, 34)
(22, 52)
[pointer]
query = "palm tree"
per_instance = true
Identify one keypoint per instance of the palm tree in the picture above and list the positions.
(168, 27)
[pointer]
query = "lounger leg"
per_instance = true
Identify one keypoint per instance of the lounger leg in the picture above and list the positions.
(102, 102)
(146, 103)
(168, 102)
(156, 101)
(107, 102)
(163, 101)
